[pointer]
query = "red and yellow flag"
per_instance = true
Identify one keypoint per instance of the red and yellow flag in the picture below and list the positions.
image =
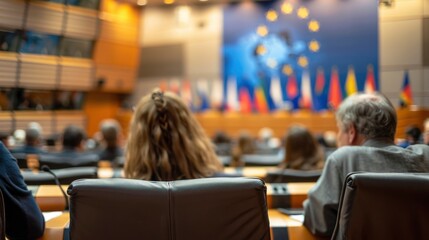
(334, 96)
(406, 97)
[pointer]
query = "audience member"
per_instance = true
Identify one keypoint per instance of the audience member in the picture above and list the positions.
(223, 143)
(4, 138)
(111, 136)
(73, 153)
(267, 143)
(412, 136)
(366, 130)
(302, 150)
(24, 219)
(426, 132)
(166, 142)
(33, 140)
(245, 145)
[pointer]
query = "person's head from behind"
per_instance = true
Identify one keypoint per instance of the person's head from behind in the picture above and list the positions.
(110, 131)
(32, 137)
(362, 117)
(73, 137)
(413, 134)
(246, 143)
(302, 149)
(165, 141)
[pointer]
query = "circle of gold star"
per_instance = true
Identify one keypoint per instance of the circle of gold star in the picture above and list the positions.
(272, 15)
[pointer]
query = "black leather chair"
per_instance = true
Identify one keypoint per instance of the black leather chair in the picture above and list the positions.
(21, 159)
(210, 208)
(65, 176)
(2, 218)
(384, 206)
(291, 175)
(263, 159)
(58, 161)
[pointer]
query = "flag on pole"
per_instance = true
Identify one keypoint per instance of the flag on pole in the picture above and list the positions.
(202, 95)
(320, 98)
(260, 100)
(292, 87)
(320, 81)
(216, 96)
(306, 99)
(334, 95)
(231, 97)
(276, 92)
(406, 97)
(186, 93)
(351, 87)
(163, 85)
(174, 86)
(245, 100)
(370, 80)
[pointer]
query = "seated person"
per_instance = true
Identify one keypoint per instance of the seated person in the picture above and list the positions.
(166, 142)
(24, 220)
(302, 150)
(266, 142)
(110, 140)
(426, 132)
(72, 154)
(366, 130)
(245, 145)
(223, 143)
(412, 136)
(33, 141)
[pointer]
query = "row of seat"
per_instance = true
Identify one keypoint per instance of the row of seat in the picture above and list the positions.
(372, 206)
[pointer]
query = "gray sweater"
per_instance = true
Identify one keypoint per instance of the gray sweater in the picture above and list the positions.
(380, 155)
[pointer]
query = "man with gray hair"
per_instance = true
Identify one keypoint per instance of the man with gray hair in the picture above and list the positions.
(366, 130)
(33, 140)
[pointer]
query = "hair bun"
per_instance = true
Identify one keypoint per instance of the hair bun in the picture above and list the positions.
(158, 98)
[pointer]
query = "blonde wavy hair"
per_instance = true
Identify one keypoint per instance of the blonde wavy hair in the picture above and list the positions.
(165, 141)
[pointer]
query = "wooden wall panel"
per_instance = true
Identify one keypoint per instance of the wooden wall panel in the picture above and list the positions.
(6, 124)
(108, 53)
(66, 118)
(8, 68)
(99, 106)
(81, 23)
(45, 17)
(116, 52)
(44, 118)
(120, 22)
(12, 13)
(38, 72)
(115, 79)
(76, 74)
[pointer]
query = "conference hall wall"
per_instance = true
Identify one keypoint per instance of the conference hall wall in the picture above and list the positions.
(260, 46)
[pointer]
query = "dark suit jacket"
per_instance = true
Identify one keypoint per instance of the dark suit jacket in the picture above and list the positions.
(24, 219)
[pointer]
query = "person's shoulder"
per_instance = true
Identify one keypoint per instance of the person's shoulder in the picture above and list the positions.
(419, 148)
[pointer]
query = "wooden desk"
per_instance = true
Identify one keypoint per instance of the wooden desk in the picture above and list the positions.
(49, 197)
(258, 172)
(290, 195)
(282, 227)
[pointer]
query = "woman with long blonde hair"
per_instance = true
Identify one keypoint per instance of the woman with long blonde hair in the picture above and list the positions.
(166, 142)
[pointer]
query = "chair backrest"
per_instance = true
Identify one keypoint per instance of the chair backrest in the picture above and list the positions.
(58, 161)
(211, 208)
(21, 159)
(2, 218)
(384, 206)
(65, 176)
(291, 175)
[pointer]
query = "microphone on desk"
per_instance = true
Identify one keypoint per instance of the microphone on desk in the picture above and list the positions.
(57, 182)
